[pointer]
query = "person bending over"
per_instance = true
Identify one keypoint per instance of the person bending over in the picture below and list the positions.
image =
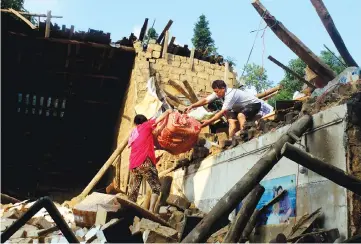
(238, 106)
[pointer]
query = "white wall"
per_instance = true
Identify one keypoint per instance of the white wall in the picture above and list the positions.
(217, 174)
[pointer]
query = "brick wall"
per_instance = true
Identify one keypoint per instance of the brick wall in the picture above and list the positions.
(176, 68)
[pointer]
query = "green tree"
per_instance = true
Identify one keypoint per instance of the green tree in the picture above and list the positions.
(289, 83)
(17, 5)
(151, 34)
(256, 76)
(334, 63)
(202, 38)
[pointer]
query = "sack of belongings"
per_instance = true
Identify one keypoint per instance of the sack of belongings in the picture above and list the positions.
(177, 133)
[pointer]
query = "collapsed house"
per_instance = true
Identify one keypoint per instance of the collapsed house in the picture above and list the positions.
(214, 177)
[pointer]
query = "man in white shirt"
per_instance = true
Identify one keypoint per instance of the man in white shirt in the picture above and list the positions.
(238, 106)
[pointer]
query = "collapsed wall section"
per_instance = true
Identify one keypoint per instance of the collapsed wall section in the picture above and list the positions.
(205, 183)
(150, 63)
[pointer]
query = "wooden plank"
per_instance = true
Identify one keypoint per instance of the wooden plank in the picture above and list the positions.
(295, 44)
(47, 26)
(141, 212)
(22, 18)
(226, 70)
(192, 58)
(244, 215)
(190, 91)
(288, 70)
(143, 30)
(330, 26)
(165, 46)
(30, 14)
(269, 91)
(166, 28)
(180, 89)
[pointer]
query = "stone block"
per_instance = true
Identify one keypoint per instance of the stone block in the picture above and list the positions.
(185, 65)
(162, 61)
(177, 58)
(177, 216)
(157, 48)
(203, 82)
(155, 66)
(190, 72)
(178, 71)
(151, 60)
(156, 54)
(175, 63)
(148, 55)
(209, 71)
(186, 77)
(199, 68)
(41, 223)
(183, 59)
(219, 73)
(143, 64)
(203, 75)
(174, 77)
(178, 202)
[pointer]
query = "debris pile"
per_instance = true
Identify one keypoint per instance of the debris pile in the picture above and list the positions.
(98, 218)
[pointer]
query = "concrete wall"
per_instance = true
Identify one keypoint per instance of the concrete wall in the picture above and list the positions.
(176, 68)
(206, 183)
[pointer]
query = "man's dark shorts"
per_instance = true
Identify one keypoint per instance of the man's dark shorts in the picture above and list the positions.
(250, 111)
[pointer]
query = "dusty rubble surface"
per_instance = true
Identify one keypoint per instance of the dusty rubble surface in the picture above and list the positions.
(101, 218)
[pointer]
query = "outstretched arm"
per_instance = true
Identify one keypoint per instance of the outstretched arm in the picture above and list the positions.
(201, 102)
(214, 118)
(162, 116)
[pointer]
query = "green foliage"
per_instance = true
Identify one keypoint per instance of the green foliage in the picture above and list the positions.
(202, 38)
(291, 84)
(256, 76)
(17, 5)
(332, 61)
(151, 34)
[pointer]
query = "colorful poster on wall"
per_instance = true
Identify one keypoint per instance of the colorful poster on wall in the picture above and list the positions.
(281, 211)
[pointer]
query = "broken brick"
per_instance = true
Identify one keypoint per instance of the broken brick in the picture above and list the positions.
(178, 202)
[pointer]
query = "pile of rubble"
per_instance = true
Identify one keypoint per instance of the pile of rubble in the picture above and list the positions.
(101, 218)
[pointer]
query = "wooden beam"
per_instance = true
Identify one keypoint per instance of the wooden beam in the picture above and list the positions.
(22, 18)
(30, 14)
(143, 30)
(176, 86)
(255, 216)
(190, 91)
(176, 99)
(166, 28)
(226, 70)
(47, 27)
(192, 58)
(295, 44)
(330, 26)
(320, 167)
(165, 46)
(244, 214)
(288, 70)
(171, 43)
(269, 91)
(245, 185)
